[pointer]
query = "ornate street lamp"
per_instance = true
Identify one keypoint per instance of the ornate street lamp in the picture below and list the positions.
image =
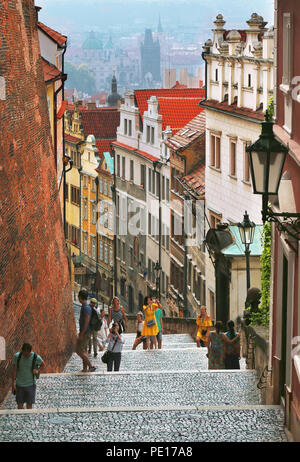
(247, 232)
(267, 157)
(157, 272)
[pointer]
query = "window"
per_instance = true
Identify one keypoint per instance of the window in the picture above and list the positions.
(143, 176)
(105, 188)
(249, 81)
(149, 224)
(85, 245)
(106, 253)
(246, 166)
(287, 37)
(217, 75)
(93, 186)
(125, 126)
(232, 158)
(75, 195)
(85, 181)
(118, 165)
(101, 250)
(111, 257)
(215, 219)
(93, 214)
(130, 128)
(67, 191)
(153, 182)
(152, 135)
(215, 143)
(168, 190)
(123, 287)
(148, 133)
(123, 167)
(101, 185)
(123, 252)
(93, 248)
(163, 186)
(149, 179)
(131, 171)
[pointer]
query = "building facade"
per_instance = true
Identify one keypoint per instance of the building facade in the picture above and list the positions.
(285, 278)
(239, 85)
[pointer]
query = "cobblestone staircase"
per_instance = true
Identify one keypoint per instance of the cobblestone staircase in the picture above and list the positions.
(166, 395)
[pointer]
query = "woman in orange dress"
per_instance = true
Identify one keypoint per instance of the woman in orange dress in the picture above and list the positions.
(150, 328)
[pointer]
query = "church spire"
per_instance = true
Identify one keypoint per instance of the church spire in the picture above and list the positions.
(159, 27)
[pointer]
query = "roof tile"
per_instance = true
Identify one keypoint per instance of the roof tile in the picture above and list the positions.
(56, 36)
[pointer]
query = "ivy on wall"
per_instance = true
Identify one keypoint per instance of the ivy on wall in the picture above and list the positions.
(262, 316)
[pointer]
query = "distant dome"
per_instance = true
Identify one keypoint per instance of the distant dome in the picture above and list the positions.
(109, 44)
(92, 43)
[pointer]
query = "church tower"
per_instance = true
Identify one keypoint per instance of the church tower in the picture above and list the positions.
(150, 58)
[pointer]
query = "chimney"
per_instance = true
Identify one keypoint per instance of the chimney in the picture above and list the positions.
(92, 106)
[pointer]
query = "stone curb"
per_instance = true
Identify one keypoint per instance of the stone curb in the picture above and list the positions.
(82, 410)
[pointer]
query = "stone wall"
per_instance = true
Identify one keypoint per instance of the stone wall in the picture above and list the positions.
(35, 293)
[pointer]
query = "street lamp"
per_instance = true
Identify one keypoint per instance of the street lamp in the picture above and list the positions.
(247, 231)
(157, 272)
(266, 158)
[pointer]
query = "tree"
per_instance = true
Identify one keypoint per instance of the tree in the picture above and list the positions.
(80, 78)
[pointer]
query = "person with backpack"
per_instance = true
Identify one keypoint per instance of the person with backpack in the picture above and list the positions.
(26, 370)
(95, 325)
(84, 331)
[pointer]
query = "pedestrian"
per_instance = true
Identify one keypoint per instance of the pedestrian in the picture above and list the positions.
(139, 328)
(103, 331)
(115, 342)
(150, 328)
(204, 323)
(95, 326)
(232, 350)
(117, 314)
(216, 353)
(26, 369)
(84, 331)
(159, 322)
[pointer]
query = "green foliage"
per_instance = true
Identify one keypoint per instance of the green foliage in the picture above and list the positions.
(80, 78)
(270, 109)
(262, 316)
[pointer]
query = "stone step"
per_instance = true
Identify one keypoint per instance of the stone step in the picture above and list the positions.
(140, 360)
(145, 389)
(257, 424)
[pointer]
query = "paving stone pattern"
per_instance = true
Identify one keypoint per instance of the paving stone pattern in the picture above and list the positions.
(155, 380)
(167, 426)
(153, 390)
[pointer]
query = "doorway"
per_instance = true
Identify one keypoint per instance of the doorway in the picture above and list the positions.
(284, 326)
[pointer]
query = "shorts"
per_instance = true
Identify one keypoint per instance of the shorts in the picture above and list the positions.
(158, 337)
(25, 394)
(82, 345)
(139, 335)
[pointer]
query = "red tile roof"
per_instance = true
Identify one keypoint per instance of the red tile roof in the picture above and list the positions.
(100, 122)
(194, 129)
(142, 96)
(233, 109)
(72, 139)
(51, 72)
(103, 146)
(195, 181)
(53, 34)
(137, 151)
(177, 112)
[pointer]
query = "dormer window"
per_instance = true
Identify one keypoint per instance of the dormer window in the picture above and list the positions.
(152, 135)
(217, 75)
(125, 126)
(130, 128)
(249, 81)
(148, 133)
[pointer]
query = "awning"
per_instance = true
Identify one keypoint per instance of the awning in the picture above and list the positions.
(62, 109)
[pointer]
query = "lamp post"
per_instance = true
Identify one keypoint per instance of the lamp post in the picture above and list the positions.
(157, 273)
(266, 158)
(247, 232)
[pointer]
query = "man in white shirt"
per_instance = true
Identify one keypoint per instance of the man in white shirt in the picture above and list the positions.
(102, 336)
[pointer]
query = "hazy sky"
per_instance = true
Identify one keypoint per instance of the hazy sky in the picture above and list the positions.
(101, 15)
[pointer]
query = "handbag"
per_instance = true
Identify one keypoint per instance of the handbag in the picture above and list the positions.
(151, 323)
(204, 332)
(105, 357)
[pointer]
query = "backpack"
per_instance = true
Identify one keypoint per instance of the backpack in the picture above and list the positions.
(96, 321)
(32, 366)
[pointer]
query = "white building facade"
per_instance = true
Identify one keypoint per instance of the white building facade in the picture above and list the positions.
(239, 86)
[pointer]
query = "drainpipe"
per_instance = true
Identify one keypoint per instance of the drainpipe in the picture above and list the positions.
(205, 60)
(114, 191)
(64, 143)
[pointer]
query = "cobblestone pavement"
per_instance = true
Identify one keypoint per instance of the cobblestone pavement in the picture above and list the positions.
(152, 390)
(252, 425)
(165, 395)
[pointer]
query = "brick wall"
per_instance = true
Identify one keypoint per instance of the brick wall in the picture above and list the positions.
(35, 292)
